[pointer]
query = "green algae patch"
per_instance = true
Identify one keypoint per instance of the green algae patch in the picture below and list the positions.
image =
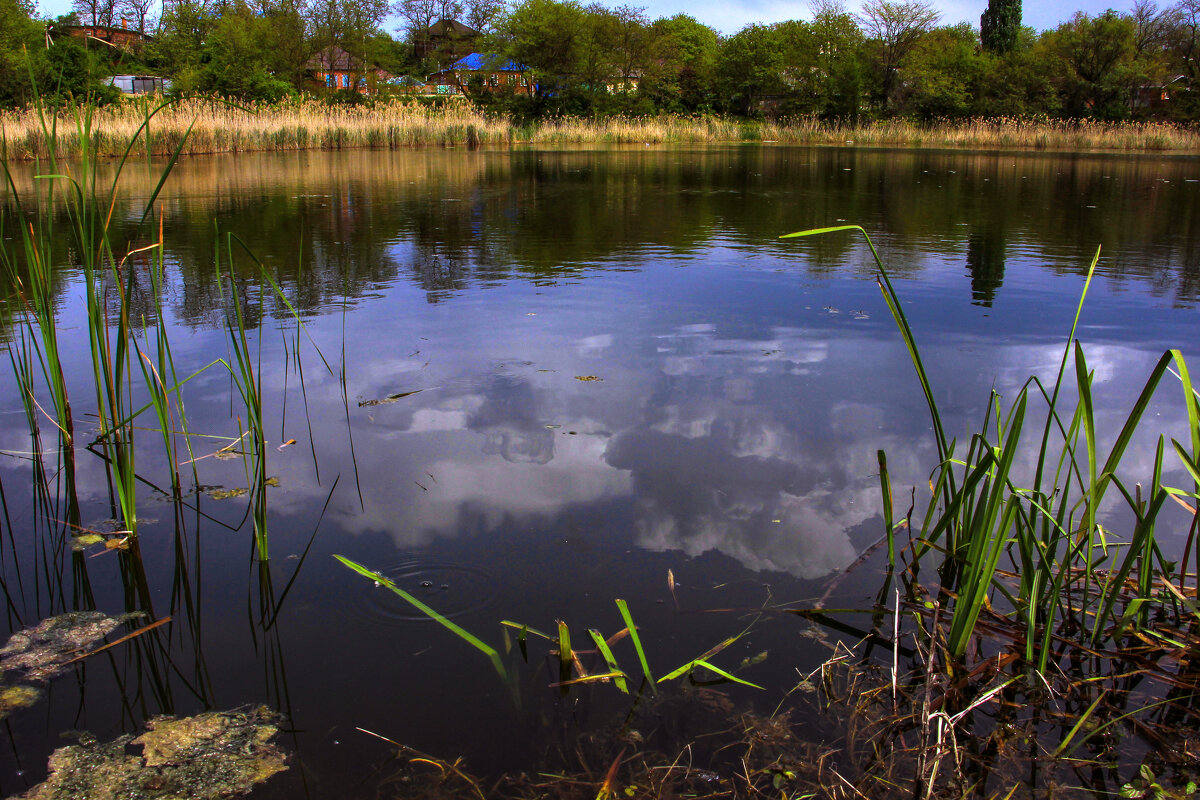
(212, 755)
(83, 541)
(43, 651)
(14, 697)
(241, 491)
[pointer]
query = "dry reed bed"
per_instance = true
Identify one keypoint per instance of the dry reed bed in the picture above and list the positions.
(216, 127)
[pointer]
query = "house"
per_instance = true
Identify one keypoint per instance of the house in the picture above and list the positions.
(621, 84)
(122, 37)
(1158, 95)
(485, 72)
(334, 69)
(140, 84)
(407, 83)
(446, 41)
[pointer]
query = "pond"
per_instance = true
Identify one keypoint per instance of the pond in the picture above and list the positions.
(523, 384)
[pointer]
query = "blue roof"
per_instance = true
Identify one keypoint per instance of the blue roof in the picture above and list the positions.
(488, 61)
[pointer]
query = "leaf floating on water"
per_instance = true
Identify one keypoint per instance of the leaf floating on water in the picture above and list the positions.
(587, 378)
(288, 443)
(391, 398)
(209, 756)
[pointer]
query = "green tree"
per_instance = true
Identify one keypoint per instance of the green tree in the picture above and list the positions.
(20, 35)
(1023, 82)
(347, 24)
(549, 37)
(632, 41)
(943, 73)
(681, 71)
(177, 50)
(481, 14)
(750, 66)
(895, 27)
(1098, 53)
(239, 60)
(70, 69)
(799, 73)
(839, 43)
(1000, 25)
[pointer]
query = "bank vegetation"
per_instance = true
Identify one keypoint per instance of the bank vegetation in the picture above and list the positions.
(205, 126)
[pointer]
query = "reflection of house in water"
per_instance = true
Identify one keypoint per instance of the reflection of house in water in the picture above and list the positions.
(985, 261)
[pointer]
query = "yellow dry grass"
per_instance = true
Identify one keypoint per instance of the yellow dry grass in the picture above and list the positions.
(303, 125)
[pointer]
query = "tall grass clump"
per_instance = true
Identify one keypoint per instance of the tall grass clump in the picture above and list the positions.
(1027, 545)
(109, 276)
(36, 358)
(133, 370)
(199, 125)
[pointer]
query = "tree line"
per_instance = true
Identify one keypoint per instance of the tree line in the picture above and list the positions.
(893, 58)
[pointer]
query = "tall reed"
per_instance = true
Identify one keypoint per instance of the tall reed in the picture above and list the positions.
(1071, 578)
(209, 126)
(245, 367)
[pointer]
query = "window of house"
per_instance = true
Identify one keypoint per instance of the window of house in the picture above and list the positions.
(345, 81)
(329, 81)
(493, 80)
(524, 82)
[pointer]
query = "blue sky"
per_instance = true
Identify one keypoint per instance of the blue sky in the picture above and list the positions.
(728, 16)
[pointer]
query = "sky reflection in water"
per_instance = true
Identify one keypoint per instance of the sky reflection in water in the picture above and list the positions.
(742, 385)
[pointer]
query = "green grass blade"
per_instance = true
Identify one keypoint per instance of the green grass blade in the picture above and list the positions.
(637, 641)
(462, 633)
(885, 489)
(727, 676)
(614, 670)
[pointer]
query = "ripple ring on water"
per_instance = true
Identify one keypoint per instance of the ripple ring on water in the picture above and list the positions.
(451, 590)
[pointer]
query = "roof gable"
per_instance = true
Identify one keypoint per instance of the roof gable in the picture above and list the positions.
(452, 28)
(334, 59)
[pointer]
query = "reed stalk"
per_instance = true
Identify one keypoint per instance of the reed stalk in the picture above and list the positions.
(209, 126)
(1072, 580)
(245, 367)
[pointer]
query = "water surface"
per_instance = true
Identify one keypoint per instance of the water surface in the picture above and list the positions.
(616, 369)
